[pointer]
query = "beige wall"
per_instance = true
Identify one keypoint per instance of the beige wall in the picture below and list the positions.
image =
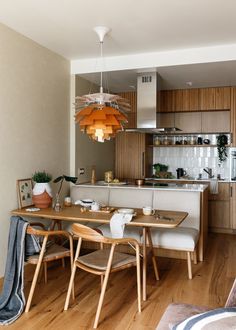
(34, 123)
(88, 152)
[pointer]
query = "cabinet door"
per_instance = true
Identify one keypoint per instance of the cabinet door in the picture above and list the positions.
(131, 97)
(223, 98)
(207, 98)
(130, 155)
(177, 100)
(223, 192)
(219, 214)
(165, 120)
(190, 99)
(233, 116)
(233, 206)
(166, 104)
(216, 122)
(188, 122)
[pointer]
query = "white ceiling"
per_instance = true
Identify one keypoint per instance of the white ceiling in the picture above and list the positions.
(137, 26)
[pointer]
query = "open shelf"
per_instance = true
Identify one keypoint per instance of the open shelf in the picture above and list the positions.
(184, 145)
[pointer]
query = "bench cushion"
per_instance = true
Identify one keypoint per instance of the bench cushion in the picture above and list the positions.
(180, 238)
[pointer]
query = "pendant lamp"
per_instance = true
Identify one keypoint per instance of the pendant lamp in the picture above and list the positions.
(101, 115)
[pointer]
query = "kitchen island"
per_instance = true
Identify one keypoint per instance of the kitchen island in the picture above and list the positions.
(191, 198)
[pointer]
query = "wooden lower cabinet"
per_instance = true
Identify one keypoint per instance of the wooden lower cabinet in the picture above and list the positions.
(219, 209)
(233, 207)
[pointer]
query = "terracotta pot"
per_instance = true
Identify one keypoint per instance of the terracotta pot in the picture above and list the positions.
(42, 201)
(42, 195)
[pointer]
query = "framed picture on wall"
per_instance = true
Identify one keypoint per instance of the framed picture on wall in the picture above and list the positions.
(24, 192)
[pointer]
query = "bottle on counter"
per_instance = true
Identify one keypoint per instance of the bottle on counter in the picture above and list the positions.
(93, 175)
(108, 176)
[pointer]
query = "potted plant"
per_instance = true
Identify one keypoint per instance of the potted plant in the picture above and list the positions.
(222, 141)
(61, 179)
(42, 192)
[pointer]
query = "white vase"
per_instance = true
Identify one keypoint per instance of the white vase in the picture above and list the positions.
(39, 188)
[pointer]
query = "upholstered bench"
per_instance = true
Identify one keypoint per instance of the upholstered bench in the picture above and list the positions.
(183, 238)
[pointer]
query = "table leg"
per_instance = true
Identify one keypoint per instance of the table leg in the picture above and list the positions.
(144, 263)
(153, 255)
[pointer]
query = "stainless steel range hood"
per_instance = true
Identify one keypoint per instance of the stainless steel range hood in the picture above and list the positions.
(148, 105)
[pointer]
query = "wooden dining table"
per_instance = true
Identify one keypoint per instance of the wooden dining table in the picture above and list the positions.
(161, 219)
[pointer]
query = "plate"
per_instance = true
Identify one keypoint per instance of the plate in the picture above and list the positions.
(126, 211)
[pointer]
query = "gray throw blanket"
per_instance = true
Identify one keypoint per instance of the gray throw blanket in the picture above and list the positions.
(12, 299)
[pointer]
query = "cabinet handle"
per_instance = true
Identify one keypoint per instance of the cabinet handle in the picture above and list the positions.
(231, 191)
(143, 164)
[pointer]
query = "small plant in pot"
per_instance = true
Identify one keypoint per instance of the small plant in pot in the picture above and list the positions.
(222, 141)
(61, 179)
(42, 192)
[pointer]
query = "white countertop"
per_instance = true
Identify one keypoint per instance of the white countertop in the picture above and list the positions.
(172, 186)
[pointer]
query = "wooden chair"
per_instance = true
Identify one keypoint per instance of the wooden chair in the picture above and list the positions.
(102, 262)
(47, 254)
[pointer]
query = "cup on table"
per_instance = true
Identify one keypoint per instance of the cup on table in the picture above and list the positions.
(67, 201)
(148, 210)
(95, 206)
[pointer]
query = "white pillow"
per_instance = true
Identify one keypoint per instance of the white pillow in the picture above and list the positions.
(217, 319)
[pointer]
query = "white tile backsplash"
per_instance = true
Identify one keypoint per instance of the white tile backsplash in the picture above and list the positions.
(192, 159)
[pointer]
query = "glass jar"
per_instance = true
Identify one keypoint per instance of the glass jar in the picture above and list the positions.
(108, 176)
(193, 140)
(157, 141)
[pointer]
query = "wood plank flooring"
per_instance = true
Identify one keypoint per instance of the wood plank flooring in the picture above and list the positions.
(212, 280)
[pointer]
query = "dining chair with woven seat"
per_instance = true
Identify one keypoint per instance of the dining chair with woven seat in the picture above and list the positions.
(102, 262)
(49, 252)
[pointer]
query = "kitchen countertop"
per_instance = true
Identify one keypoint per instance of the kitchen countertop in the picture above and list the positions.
(171, 186)
(186, 180)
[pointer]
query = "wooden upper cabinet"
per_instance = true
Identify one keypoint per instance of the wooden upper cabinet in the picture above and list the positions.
(177, 100)
(214, 98)
(166, 104)
(233, 118)
(131, 97)
(223, 98)
(190, 99)
(207, 99)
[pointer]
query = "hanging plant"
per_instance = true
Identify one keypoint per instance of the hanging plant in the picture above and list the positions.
(222, 141)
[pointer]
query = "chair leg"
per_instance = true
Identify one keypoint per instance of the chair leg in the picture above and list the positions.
(71, 286)
(101, 298)
(45, 272)
(153, 255)
(195, 257)
(138, 278)
(73, 270)
(189, 265)
(36, 273)
(102, 279)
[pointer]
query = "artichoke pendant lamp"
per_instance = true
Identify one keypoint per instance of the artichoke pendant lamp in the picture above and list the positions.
(101, 115)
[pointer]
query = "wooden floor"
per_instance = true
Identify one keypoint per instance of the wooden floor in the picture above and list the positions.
(210, 286)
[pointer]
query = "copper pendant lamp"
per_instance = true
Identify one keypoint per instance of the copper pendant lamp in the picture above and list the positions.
(101, 115)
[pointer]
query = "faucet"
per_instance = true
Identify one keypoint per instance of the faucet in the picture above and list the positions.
(209, 172)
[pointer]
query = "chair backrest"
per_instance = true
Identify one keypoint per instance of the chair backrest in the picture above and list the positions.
(88, 233)
(176, 201)
(231, 300)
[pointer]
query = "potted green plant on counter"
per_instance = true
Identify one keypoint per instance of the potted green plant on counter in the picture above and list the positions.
(42, 192)
(61, 179)
(161, 171)
(222, 141)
